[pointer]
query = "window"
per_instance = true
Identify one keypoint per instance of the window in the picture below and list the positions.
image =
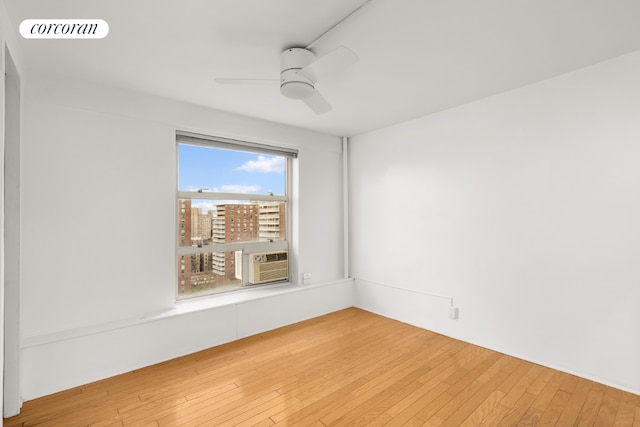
(232, 202)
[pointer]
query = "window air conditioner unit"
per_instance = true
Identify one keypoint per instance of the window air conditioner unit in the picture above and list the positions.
(268, 267)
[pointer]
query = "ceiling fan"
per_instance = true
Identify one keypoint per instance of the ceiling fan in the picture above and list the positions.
(300, 71)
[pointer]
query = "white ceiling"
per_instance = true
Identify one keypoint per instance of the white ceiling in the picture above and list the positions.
(416, 56)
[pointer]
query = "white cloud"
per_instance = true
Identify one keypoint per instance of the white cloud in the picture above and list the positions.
(236, 188)
(264, 164)
(205, 205)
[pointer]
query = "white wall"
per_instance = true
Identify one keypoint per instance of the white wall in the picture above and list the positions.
(99, 182)
(2, 114)
(12, 233)
(10, 93)
(524, 209)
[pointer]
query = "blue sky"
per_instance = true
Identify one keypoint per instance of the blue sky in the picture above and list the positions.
(229, 171)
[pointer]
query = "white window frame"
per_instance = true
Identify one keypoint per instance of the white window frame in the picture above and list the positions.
(247, 248)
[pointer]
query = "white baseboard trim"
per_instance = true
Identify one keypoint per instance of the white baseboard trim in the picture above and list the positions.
(430, 312)
(68, 359)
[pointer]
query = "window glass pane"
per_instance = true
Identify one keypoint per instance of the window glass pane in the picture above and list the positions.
(217, 205)
(206, 273)
(211, 222)
(228, 171)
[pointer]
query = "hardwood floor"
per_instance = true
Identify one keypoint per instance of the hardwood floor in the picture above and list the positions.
(346, 368)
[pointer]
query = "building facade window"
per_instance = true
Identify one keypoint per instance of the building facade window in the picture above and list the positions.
(232, 206)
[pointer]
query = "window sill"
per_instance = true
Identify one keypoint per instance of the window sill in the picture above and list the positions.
(239, 296)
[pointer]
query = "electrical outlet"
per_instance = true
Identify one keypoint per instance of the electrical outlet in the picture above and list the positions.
(453, 313)
(306, 277)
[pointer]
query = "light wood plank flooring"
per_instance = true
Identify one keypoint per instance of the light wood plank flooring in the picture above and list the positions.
(346, 368)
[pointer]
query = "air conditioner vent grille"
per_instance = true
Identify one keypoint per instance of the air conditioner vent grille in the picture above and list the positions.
(277, 256)
(269, 267)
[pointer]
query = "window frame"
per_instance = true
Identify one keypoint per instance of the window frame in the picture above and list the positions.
(250, 247)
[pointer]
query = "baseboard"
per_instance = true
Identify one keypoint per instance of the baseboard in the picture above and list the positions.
(428, 311)
(55, 363)
(69, 359)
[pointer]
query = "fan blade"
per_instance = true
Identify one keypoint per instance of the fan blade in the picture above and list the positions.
(339, 58)
(317, 103)
(225, 81)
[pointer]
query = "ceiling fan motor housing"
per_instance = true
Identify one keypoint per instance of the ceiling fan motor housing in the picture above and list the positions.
(293, 84)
